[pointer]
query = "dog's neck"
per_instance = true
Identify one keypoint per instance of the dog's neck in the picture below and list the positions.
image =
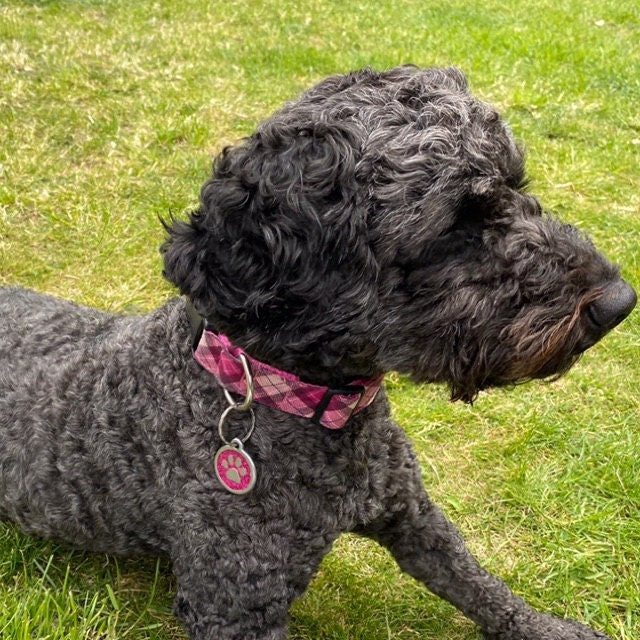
(272, 387)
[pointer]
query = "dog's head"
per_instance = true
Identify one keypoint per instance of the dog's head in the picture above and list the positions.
(381, 222)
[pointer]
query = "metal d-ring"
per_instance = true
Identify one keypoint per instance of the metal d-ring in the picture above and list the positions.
(248, 399)
(223, 417)
(245, 405)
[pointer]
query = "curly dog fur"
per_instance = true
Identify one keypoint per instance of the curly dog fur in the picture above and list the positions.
(380, 222)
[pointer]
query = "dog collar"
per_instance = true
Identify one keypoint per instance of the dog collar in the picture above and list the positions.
(331, 408)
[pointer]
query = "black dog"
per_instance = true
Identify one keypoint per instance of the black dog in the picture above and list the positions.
(378, 223)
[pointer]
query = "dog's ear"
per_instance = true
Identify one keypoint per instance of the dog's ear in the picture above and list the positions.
(280, 235)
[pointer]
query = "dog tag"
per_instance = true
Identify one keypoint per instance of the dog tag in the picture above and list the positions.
(235, 468)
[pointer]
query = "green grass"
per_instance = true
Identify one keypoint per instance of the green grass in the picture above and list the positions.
(110, 113)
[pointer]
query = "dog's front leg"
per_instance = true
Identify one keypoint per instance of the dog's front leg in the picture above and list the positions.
(230, 597)
(428, 547)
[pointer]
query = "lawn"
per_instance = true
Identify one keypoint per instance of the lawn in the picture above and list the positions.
(110, 114)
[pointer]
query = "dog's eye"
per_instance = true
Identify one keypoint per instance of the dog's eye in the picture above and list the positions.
(472, 212)
(458, 241)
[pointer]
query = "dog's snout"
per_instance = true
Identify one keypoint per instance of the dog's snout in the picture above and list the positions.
(614, 304)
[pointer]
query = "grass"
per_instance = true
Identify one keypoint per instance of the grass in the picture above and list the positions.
(110, 112)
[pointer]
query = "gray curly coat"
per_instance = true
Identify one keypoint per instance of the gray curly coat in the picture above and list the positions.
(378, 223)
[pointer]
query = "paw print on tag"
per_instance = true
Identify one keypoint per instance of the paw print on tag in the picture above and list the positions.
(235, 469)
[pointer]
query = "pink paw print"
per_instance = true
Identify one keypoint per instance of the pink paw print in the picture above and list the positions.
(235, 469)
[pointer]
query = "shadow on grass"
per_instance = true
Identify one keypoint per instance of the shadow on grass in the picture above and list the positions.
(360, 594)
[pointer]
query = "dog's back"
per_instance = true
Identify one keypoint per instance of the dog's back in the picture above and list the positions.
(78, 419)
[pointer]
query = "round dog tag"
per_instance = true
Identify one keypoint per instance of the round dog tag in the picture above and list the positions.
(235, 468)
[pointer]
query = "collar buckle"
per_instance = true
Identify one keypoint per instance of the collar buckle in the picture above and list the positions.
(350, 390)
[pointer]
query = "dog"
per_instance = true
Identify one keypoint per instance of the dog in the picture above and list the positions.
(380, 222)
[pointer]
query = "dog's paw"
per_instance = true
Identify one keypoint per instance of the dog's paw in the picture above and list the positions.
(548, 628)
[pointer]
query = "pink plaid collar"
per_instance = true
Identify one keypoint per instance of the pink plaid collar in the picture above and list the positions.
(280, 390)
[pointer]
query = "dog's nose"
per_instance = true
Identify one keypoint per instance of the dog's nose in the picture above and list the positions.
(616, 302)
